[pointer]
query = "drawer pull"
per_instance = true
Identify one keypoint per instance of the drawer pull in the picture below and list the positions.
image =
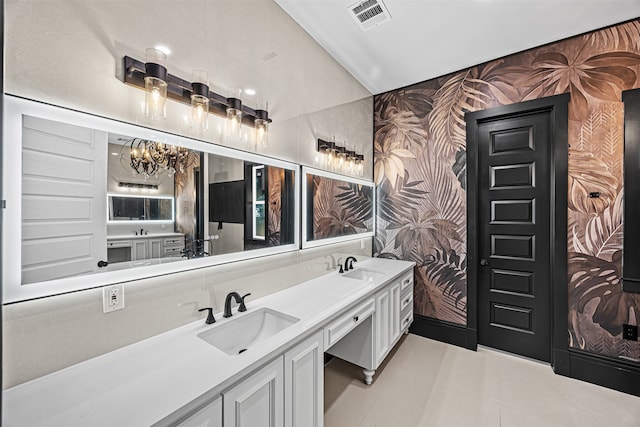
(406, 320)
(355, 318)
(407, 301)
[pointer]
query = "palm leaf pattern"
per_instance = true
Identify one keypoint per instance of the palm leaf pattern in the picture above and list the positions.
(477, 87)
(623, 36)
(589, 174)
(594, 279)
(448, 271)
(602, 236)
(602, 76)
(358, 200)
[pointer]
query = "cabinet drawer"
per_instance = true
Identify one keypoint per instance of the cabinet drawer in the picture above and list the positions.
(119, 244)
(174, 242)
(347, 322)
(172, 251)
(407, 282)
(407, 319)
(406, 301)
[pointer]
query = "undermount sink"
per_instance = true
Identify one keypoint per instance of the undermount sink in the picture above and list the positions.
(240, 333)
(363, 274)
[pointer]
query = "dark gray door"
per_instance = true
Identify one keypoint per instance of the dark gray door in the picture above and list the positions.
(513, 234)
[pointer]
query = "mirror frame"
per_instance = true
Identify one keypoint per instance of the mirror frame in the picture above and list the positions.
(305, 198)
(12, 288)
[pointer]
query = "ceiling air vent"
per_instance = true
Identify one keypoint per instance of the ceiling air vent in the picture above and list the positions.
(369, 14)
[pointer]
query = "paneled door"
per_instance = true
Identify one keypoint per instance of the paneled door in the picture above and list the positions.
(64, 199)
(514, 283)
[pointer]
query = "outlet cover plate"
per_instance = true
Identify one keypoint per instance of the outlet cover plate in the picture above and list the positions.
(112, 298)
(630, 332)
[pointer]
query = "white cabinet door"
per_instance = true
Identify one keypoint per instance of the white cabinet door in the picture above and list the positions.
(395, 316)
(139, 250)
(304, 383)
(209, 416)
(155, 248)
(383, 317)
(258, 400)
(64, 196)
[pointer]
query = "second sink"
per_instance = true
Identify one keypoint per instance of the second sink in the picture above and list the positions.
(246, 330)
(363, 274)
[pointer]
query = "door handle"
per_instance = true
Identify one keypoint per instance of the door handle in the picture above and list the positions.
(484, 262)
(102, 263)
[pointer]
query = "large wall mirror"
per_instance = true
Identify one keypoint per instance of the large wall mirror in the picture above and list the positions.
(91, 201)
(336, 208)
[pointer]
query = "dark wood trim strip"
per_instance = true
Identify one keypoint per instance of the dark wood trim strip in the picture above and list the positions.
(616, 374)
(447, 332)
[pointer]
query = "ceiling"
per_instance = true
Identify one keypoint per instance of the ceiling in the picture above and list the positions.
(429, 38)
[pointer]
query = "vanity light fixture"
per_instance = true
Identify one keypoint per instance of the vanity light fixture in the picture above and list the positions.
(338, 159)
(153, 73)
(155, 84)
(137, 185)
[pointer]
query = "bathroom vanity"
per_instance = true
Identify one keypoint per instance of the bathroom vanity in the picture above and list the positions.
(260, 367)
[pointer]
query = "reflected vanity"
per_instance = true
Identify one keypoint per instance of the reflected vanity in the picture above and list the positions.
(92, 201)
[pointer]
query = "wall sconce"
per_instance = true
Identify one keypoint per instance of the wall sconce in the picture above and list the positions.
(137, 73)
(155, 84)
(338, 159)
(200, 100)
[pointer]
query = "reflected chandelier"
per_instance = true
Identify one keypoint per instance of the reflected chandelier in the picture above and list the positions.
(149, 158)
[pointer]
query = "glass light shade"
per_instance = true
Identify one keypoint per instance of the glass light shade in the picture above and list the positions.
(155, 85)
(155, 98)
(262, 132)
(234, 114)
(261, 123)
(234, 123)
(200, 100)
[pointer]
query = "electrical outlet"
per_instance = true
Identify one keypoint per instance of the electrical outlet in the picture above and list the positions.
(630, 332)
(112, 298)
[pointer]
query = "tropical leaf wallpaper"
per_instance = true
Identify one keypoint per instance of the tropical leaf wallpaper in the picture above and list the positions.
(420, 169)
(275, 179)
(339, 208)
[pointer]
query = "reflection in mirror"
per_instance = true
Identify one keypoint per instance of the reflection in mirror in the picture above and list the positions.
(133, 208)
(101, 197)
(337, 208)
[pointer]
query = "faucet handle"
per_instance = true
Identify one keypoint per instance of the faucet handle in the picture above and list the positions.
(210, 318)
(242, 306)
(340, 270)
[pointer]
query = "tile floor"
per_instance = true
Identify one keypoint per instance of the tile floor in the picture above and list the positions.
(429, 383)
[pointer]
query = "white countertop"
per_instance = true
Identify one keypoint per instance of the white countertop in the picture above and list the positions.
(142, 236)
(143, 383)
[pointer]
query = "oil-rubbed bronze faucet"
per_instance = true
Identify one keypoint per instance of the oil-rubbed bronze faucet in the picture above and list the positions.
(349, 266)
(239, 299)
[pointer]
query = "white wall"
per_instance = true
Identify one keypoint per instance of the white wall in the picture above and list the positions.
(69, 53)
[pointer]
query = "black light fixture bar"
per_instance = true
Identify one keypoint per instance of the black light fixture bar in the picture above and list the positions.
(180, 90)
(136, 185)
